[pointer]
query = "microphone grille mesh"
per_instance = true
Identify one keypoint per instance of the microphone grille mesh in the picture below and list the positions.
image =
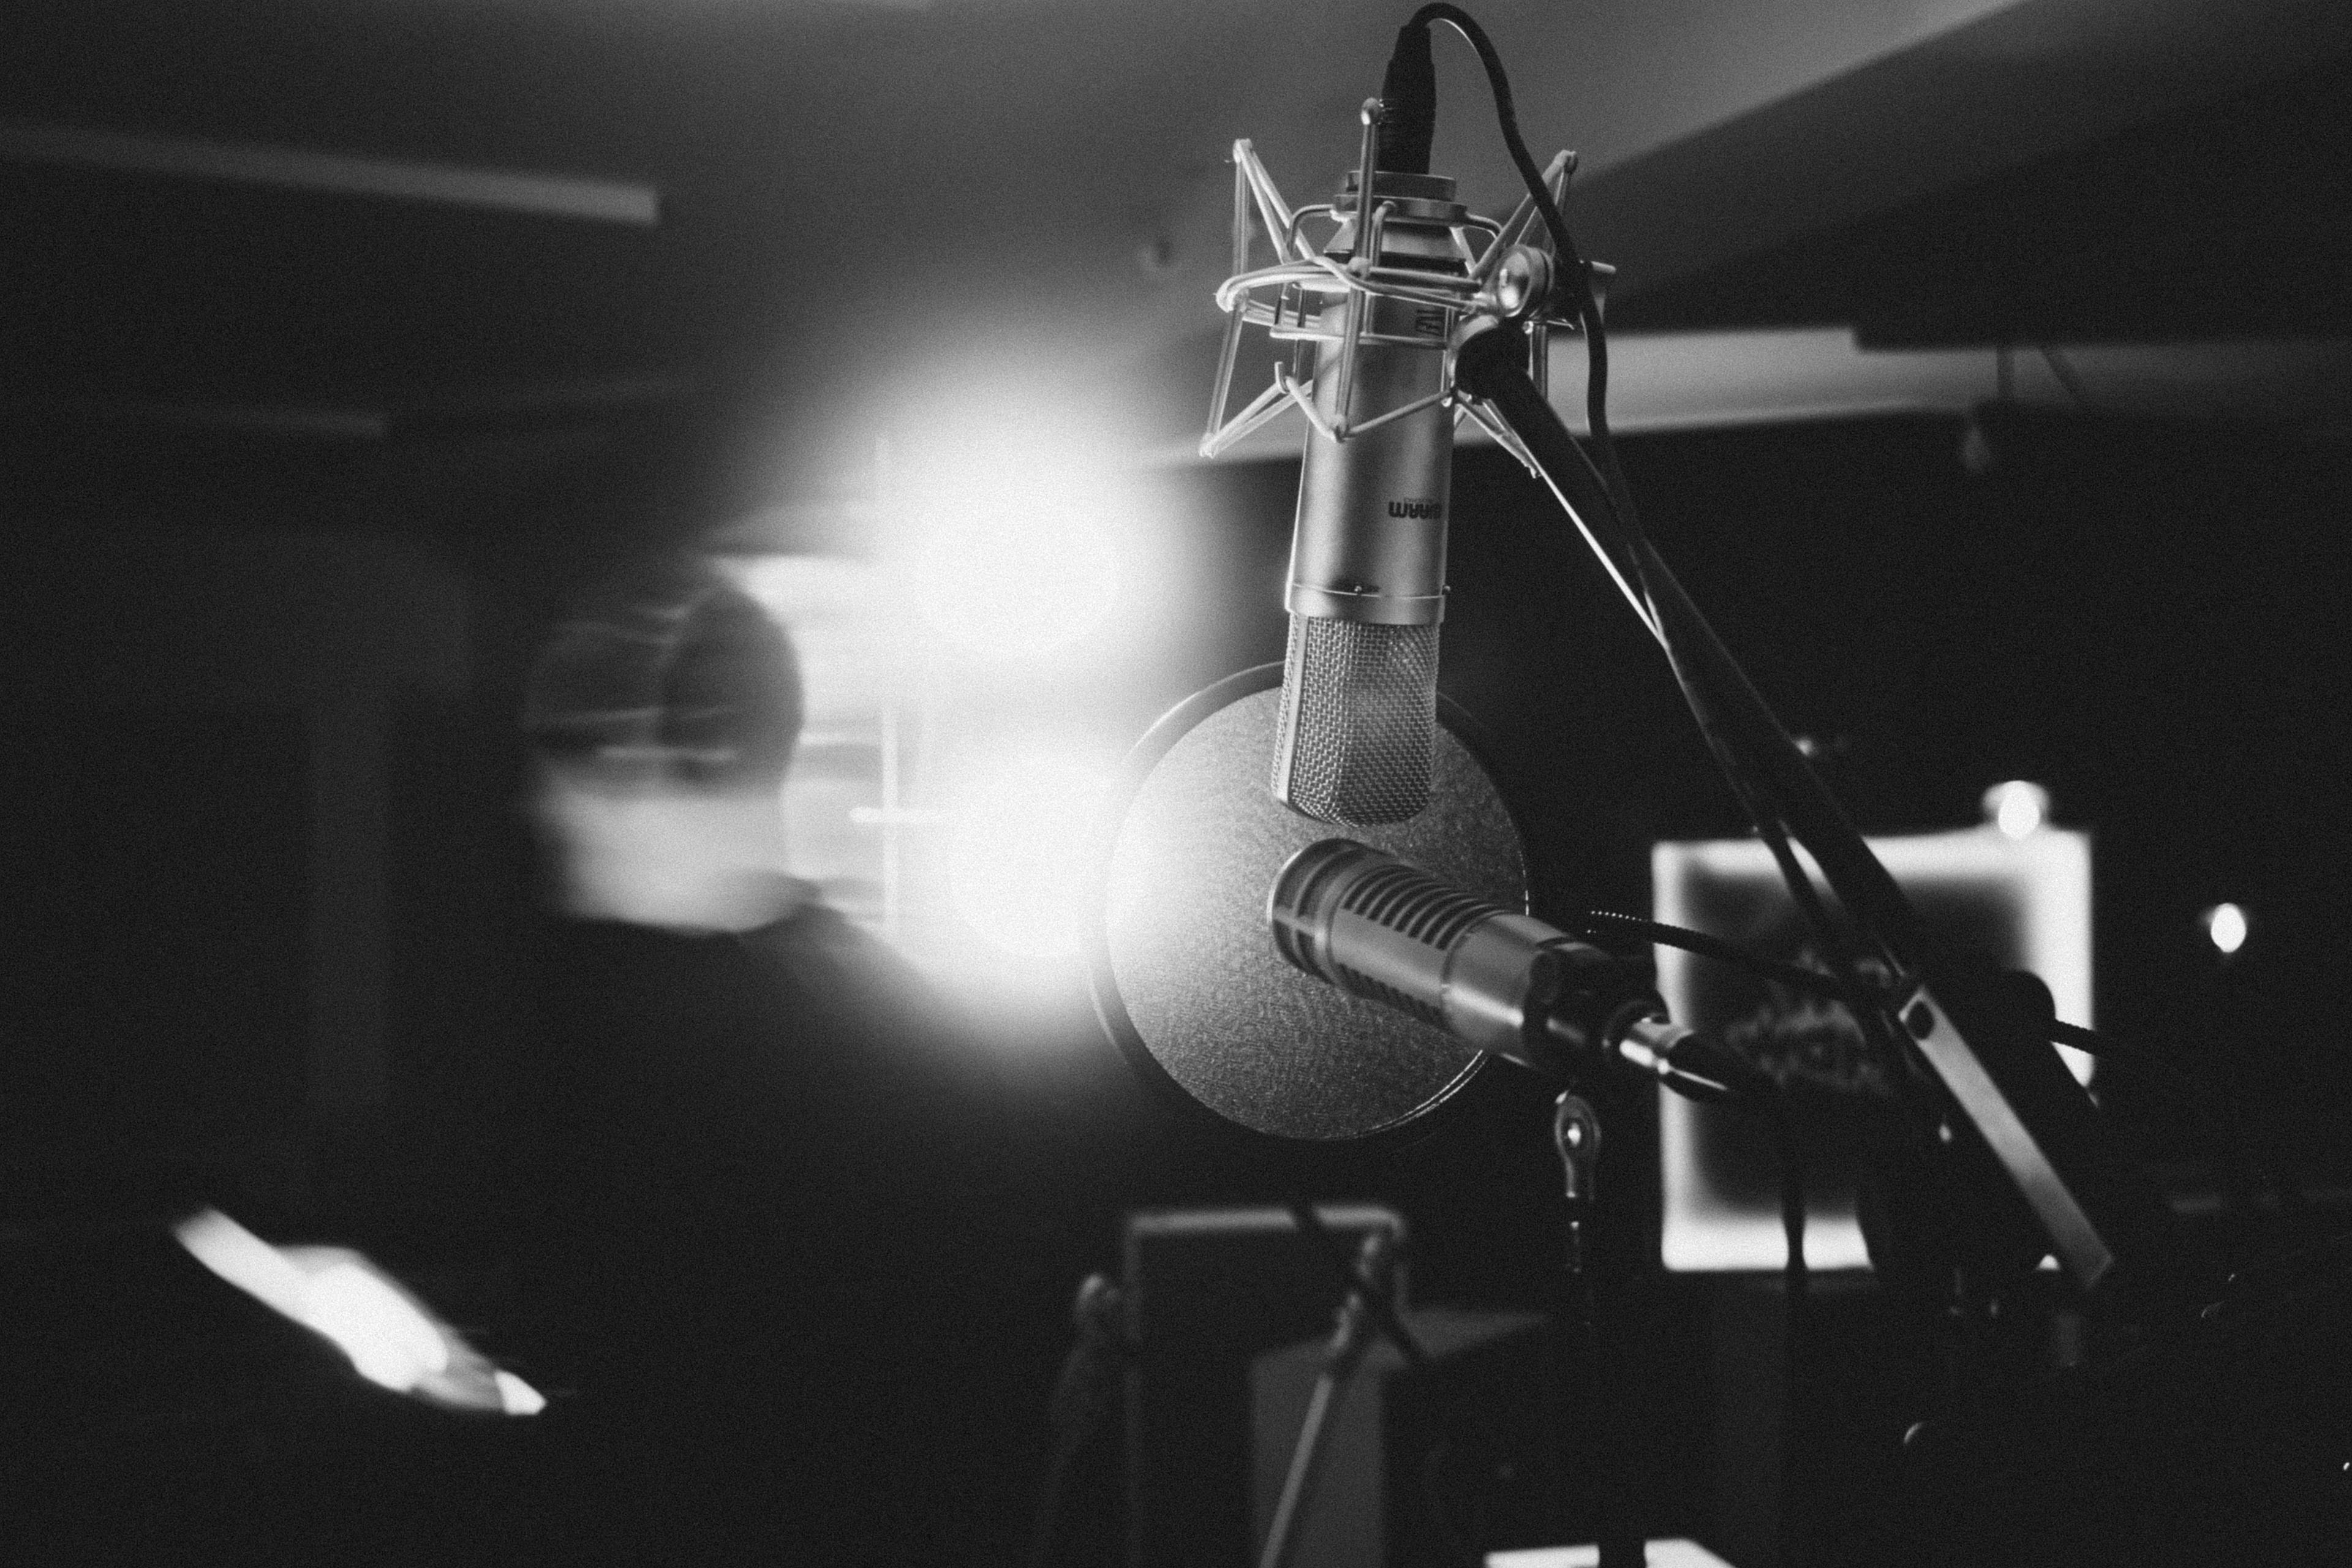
(1358, 709)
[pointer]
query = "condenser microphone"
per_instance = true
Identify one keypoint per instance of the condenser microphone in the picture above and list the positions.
(1368, 547)
(1380, 929)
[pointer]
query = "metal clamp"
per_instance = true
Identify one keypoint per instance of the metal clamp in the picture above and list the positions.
(1576, 1134)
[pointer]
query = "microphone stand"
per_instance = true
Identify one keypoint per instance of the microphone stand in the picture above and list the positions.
(1083, 1395)
(1576, 1137)
(1360, 1317)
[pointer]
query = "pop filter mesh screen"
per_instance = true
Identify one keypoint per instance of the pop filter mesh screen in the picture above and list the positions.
(1191, 975)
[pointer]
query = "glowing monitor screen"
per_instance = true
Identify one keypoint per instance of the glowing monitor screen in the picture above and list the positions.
(2021, 902)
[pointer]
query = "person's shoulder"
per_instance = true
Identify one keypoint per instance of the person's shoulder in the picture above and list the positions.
(832, 958)
(813, 931)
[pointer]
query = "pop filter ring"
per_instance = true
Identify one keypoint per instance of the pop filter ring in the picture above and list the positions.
(1110, 1005)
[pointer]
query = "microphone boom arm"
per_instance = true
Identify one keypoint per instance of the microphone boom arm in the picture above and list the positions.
(2100, 1213)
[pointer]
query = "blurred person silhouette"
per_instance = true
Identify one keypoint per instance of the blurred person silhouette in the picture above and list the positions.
(763, 1290)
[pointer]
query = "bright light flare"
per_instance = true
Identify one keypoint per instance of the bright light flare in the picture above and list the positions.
(1017, 858)
(1013, 586)
(2226, 928)
(2017, 808)
(1015, 543)
(336, 1293)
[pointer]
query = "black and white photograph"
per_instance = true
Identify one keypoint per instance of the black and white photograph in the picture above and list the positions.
(1255, 783)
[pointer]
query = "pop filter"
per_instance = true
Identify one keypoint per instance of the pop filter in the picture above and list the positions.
(1185, 977)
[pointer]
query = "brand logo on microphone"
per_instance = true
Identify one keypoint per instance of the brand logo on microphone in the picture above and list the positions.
(1417, 507)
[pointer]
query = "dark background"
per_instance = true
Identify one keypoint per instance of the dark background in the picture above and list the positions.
(293, 480)
(2141, 616)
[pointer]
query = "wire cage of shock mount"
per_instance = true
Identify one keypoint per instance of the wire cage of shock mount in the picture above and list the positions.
(1503, 280)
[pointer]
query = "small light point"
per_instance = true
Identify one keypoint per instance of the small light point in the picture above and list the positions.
(2018, 809)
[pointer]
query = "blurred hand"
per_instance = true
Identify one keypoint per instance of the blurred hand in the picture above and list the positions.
(336, 1293)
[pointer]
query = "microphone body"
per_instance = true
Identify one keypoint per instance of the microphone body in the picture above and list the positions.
(1505, 983)
(1367, 584)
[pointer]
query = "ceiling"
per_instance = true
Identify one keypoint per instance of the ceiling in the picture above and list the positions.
(354, 219)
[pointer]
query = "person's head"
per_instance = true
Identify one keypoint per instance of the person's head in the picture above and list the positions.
(661, 718)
